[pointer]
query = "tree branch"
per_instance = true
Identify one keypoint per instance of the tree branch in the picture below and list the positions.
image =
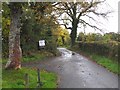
(65, 19)
(66, 26)
(95, 27)
(69, 9)
(55, 4)
(88, 7)
(99, 14)
(91, 18)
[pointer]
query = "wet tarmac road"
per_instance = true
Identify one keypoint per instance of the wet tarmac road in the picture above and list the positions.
(76, 71)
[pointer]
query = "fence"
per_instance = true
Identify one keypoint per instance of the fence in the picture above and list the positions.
(27, 79)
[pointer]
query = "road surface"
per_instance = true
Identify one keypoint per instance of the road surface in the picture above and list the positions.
(76, 71)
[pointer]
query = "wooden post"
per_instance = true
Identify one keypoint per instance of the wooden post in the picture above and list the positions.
(26, 80)
(39, 83)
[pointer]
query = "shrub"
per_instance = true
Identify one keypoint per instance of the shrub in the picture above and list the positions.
(51, 46)
(105, 49)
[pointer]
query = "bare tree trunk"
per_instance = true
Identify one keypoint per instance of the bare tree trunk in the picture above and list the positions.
(73, 34)
(15, 52)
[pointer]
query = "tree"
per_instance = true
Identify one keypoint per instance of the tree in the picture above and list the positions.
(98, 37)
(15, 52)
(107, 37)
(36, 26)
(112, 36)
(62, 36)
(90, 37)
(81, 37)
(5, 29)
(76, 12)
(28, 38)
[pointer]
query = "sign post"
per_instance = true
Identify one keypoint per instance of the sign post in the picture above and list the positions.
(41, 44)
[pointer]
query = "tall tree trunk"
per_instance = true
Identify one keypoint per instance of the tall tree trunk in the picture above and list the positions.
(15, 52)
(73, 34)
(63, 40)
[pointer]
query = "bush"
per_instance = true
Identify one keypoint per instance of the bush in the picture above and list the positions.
(52, 47)
(106, 49)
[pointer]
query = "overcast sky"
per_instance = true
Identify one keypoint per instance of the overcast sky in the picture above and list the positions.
(113, 20)
(111, 24)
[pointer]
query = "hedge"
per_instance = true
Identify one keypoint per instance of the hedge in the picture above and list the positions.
(105, 49)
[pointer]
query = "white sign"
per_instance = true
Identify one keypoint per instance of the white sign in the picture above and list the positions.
(41, 42)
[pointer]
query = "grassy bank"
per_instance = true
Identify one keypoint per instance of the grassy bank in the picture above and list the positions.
(104, 61)
(38, 56)
(108, 63)
(15, 78)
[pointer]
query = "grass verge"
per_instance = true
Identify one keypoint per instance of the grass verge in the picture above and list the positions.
(109, 64)
(38, 56)
(15, 78)
(105, 62)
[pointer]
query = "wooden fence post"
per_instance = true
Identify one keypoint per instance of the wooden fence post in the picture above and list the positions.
(39, 83)
(26, 80)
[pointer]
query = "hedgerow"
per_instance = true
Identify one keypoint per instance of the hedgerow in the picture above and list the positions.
(109, 49)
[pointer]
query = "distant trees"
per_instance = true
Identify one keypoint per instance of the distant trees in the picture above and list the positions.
(81, 37)
(90, 37)
(111, 36)
(62, 36)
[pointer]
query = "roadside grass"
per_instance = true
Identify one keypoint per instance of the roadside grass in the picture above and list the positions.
(106, 62)
(109, 64)
(37, 56)
(0, 76)
(34, 57)
(15, 78)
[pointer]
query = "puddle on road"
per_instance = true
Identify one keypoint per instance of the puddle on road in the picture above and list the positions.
(80, 64)
(66, 54)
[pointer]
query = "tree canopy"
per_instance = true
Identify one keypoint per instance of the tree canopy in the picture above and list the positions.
(76, 12)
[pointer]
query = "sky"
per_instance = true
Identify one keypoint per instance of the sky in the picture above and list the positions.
(113, 20)
(111, 23)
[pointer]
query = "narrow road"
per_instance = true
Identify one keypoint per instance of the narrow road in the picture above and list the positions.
(76, 71)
